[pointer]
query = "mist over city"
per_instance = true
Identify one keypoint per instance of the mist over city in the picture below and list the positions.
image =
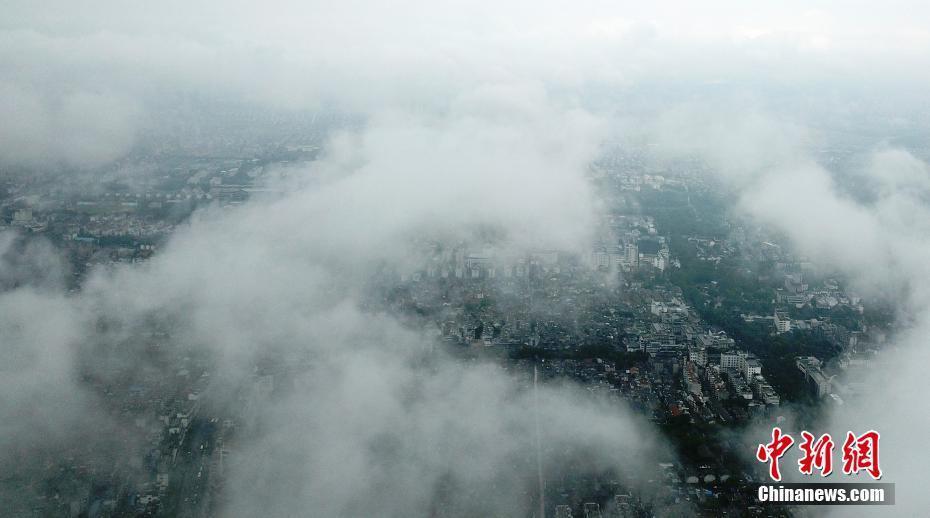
(461, 259)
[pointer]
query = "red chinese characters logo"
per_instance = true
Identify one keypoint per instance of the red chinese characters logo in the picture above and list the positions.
(817, 454)
(861, 453)
(773, 451)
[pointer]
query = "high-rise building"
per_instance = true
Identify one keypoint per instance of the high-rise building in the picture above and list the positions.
(632, 255)
(782, 322)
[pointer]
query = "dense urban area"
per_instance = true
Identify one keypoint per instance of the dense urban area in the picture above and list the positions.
(703, 323)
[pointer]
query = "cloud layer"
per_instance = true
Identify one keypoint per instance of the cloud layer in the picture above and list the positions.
(476, 114)
(79, 82)
(370, 417)
(879, 239)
